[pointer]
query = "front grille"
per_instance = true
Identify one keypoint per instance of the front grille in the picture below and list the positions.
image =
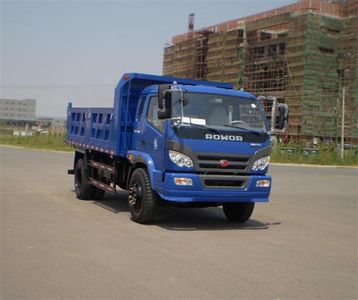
(211, 163)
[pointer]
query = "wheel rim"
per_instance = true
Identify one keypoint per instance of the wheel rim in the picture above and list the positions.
(135, 197)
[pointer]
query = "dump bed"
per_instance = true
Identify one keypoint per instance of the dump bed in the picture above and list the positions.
(110, 130)
(90, 128)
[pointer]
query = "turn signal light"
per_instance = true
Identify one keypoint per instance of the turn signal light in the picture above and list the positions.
(183, 181)
(263, 183)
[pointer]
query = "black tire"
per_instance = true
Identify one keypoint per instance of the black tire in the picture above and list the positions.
(142, 200)
(238, 212)
(83, 189)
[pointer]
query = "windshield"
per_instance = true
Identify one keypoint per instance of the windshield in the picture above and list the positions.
(218, 111)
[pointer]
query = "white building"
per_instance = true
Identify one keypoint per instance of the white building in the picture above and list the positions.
(17, 110)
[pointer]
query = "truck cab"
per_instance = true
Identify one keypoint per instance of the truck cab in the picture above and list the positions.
(192, 145)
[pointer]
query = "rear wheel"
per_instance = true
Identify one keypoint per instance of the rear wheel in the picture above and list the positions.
(238, 212)
(82, 187)
(98, 194)
(142, 200)
(84, 190)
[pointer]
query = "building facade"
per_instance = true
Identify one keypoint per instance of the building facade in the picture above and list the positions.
(305, 54)
(18, 110)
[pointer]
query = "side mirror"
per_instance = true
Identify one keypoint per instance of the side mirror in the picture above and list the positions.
(283, 118)
(164, 101)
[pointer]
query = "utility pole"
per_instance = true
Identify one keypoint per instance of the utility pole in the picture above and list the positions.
(342, 125)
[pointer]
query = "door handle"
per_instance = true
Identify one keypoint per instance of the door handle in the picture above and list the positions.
(136, 131)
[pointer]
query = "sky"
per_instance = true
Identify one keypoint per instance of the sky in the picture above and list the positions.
(60, 51)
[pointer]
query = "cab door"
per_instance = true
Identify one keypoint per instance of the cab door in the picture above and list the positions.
(149, 132)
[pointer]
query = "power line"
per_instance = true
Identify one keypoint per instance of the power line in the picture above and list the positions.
(56, 85)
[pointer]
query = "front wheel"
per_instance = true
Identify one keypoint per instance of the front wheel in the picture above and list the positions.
(238, 212)
(142, 200)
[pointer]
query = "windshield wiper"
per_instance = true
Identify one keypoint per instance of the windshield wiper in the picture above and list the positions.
(244, 129)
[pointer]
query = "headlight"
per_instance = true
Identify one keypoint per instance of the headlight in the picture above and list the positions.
(180, 159)
(261, 164)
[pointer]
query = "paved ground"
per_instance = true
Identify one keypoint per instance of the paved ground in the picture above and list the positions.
(301, 245)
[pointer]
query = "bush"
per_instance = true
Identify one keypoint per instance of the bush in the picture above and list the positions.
(323, 155)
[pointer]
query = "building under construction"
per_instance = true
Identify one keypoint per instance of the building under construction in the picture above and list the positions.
(305, 54)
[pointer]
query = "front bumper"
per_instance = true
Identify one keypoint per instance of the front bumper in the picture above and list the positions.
(200, 192)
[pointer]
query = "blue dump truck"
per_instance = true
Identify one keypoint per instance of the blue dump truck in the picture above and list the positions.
(175, 141)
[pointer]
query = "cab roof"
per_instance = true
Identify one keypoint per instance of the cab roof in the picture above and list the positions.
(158, 79)
(153, 89)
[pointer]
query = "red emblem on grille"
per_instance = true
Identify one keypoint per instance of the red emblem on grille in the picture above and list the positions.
(224, 163)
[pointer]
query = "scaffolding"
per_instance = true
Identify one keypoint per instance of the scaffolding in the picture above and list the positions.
(304, 54)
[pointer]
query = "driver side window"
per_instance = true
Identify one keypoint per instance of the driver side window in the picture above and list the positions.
(152, 115)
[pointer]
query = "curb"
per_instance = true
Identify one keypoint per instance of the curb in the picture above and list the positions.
(313, 165)
(35, 149)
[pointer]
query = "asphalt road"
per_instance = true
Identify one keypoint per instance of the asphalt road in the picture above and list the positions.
(301, 245)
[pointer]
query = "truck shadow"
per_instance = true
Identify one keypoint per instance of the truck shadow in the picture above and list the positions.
(190, 219)
(114, 203)
(184, 219)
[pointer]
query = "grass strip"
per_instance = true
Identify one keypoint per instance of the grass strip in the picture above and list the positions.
(41, 141)
(289, 153)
